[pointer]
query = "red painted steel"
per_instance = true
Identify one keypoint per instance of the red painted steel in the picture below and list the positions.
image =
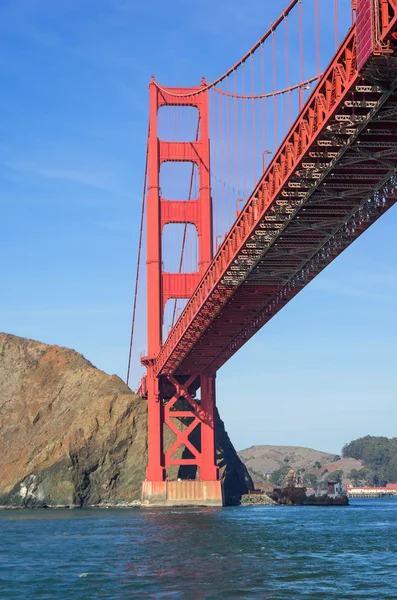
(201, 415)
(163, 286)
(205, 335)
(365, 31)
(332, 177)
(375, 22)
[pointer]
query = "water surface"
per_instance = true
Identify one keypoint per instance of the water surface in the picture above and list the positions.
(195, 554)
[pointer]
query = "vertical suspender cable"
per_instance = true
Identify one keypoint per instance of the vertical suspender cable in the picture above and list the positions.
(236, 140)
(228, 108)
(267, 111)
(244, 140)
(222, 164)
(301, 54)
(217, 166)
(274, 59)
(254, 153)
(287, 73)
(138, 261)
(262, 104)
(192, 266)
(214, 165)
(226, 142)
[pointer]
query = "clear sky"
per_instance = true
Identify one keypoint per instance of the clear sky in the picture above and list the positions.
(73, 123)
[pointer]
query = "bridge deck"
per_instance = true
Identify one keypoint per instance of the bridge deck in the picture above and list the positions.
(331, 179)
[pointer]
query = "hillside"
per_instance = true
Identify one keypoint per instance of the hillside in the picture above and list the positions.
(260, 460)
(379, 455)
(73, 435)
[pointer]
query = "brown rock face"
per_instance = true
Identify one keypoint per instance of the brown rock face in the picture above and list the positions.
(73, 435)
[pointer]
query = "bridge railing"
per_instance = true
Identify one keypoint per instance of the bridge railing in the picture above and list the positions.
(324, 101)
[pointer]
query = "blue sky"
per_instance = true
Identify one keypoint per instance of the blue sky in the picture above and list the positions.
(73, 125)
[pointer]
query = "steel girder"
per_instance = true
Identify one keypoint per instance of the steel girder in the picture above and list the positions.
(305, 207)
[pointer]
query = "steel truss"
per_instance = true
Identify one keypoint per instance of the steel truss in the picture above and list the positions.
(331, 179)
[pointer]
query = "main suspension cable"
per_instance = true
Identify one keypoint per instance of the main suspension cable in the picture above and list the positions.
(239, 63)
(292, 88)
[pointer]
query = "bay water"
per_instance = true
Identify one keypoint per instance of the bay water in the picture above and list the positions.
(195, 554)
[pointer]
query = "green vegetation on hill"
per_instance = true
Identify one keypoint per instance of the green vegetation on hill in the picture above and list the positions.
(379, 455)
(369, 460)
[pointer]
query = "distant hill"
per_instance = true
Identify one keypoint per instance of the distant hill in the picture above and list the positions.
(380, 458)
(260, 460)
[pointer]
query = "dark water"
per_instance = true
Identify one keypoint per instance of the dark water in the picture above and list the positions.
(258, 552)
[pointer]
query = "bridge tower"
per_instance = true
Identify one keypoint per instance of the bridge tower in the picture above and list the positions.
(172, 401)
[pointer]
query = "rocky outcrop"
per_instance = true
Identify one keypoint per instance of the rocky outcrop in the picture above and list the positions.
(257, 500)
(292, 493)
(73, 435)
(290, 496)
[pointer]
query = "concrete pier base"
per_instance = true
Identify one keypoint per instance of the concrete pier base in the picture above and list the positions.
(182, 493)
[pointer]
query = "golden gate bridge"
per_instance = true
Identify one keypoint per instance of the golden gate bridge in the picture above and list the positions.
(254, 183)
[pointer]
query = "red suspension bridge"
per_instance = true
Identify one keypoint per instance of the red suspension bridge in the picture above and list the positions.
(254, 183)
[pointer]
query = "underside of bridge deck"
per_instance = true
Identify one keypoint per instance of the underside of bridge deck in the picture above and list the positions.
(333, 177)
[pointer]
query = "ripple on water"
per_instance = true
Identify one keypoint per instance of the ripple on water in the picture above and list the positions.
(272, 553)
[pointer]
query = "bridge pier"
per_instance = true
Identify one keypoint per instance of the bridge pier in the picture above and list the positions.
(172, 402)
(185, 492)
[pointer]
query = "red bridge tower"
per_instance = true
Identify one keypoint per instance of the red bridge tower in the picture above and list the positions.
(172, 396)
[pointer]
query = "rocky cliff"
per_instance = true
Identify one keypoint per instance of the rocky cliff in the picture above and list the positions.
(73, 435)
